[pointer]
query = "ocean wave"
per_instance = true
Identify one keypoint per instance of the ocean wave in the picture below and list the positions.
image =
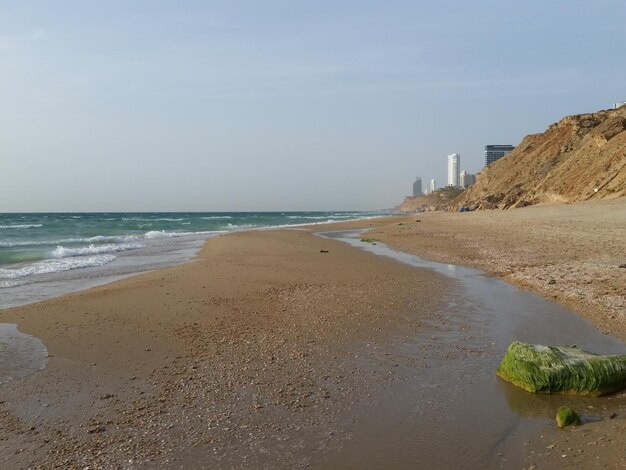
(157, 234)
(63, 252)
(19, 243)
(324, 217)
(323, 222)
(111, 238)
(213, 217)
(240, 226)
(315, 217)
(22, 226)
(56, 265)
(150, 219)
(96, 239)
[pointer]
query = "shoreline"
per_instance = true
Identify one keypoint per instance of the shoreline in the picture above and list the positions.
(152, 254)
(263, 333)
(568, 253)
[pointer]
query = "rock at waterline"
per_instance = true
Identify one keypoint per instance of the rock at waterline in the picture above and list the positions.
(565, 416)
(561, 369)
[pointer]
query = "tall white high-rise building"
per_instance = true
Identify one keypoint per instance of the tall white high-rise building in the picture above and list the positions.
(432, 185)
(454, 169)
(417, 187)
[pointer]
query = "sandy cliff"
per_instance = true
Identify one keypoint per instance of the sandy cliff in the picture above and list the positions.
(579, 158)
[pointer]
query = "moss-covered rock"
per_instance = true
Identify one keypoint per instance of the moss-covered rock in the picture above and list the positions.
(560, 369)
(565, 416)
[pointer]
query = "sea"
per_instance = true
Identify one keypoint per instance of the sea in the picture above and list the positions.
(44, 255)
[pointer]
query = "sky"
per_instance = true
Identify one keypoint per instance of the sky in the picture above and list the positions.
(148, 105)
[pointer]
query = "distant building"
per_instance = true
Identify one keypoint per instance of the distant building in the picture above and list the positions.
(454, 169)
(417, 187)
(467, 179)
(432, 185)
(619, 105)
(495, 152)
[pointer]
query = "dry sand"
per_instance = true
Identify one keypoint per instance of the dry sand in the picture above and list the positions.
(261, 353)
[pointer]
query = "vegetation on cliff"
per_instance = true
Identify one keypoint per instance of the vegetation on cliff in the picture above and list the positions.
(440, 199)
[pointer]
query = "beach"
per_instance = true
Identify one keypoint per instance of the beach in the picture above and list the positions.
(570, 253)
(193, 359)
(282, 349)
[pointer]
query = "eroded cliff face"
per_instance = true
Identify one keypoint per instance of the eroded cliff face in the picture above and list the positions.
(579, 158)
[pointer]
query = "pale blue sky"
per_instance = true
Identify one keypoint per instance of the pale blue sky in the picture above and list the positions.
(282, 105)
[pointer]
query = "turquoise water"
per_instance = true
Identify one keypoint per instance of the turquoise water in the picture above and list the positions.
(43, 255)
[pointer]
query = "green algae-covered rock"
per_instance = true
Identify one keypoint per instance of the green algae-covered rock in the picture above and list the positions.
(560, 369)
(565, 416)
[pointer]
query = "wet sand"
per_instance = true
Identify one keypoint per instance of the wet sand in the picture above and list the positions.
(283, 349)
(570, 254)
(257, 355)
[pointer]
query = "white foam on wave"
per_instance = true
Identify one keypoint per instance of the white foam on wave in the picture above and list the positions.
(323, 222)
(22, 226)
(56, 265)
(213, 217)
(325, 217)
(96, 239)
(63, 252)
(240, 226)
(19, 243)
(150, 219)
(111, 238)
(158, 234)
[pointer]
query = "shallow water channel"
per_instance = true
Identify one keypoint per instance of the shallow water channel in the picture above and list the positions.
(20, 354)
(456, 413)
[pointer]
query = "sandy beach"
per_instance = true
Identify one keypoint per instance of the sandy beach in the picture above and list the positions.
(247, 357)
(270, 349)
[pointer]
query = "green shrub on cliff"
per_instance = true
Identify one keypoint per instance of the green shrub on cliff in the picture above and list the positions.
(560, 369)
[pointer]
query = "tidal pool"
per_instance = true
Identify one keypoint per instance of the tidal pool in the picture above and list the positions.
(20, 354)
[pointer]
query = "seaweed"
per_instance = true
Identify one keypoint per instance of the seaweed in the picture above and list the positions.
(561, 369)
(565, 416)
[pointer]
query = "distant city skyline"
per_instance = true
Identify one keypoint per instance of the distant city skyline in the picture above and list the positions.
(248, 106)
